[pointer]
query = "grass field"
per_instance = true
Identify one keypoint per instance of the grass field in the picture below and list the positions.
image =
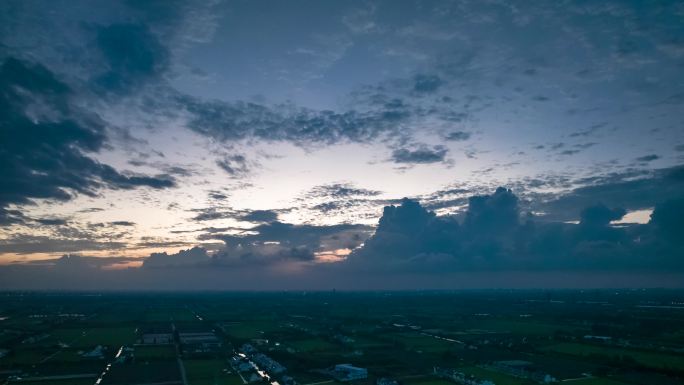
(82, 381)
(311, 345)
(428, 381)
(597, 381)
(210, 372)
(416, 341)
(249, 330)
(497, 378)
(154, 352)
(649, 359)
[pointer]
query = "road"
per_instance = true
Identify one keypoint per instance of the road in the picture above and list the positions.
(181, 367)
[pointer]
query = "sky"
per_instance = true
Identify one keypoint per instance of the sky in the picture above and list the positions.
(272, 145)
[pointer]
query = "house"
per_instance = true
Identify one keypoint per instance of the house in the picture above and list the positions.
(348, 372)
(459, 377)
(157, 335)
(156, 339)
(386, 381)
(199, 342)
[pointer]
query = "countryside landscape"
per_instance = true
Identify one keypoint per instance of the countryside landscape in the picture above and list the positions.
(583, 337)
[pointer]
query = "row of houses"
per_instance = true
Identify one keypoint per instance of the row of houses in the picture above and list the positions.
(192, 341)
(459, 377)
(521, 369)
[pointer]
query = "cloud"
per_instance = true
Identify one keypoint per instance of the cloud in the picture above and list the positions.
(278, 241)
(29, 244)
(194, 256)
(51, 221)
(340, 191)
(631, 189)
(667, 219)
(495, 236)
(260, 216)
(600, 215)
(213, 213)
(234, 121)
(122, 223)
(420, 155)
(237, 166)
(133, 55)
(648, 158)
(427, 83)
(458, 136)
(45, 141)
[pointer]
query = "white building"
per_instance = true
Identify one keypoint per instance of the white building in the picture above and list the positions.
(348, 372)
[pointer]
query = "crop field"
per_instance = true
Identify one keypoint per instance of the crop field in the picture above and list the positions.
(649, 359)
(210, 372)
(400, 336)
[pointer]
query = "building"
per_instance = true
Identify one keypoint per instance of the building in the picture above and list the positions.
(386, 381)
(199, 342)
(348, 372)
(157, 335)
(459, 377)
(156, 339)
(522, 369)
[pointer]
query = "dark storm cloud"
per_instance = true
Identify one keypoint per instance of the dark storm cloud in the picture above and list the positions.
(419, 155)
(44, 141)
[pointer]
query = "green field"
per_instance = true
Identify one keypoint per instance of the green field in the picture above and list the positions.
(597, 381)
(312, 345)
(210, 372)
(497, 378)
(649, 359)
(420, 342)
(428, 381)
(154, 352)
(250, 330)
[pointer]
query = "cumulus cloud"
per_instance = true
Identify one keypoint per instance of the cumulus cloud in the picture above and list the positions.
(494, 235)
(194, 256)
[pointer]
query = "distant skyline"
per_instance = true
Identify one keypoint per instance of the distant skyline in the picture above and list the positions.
(348, 144)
